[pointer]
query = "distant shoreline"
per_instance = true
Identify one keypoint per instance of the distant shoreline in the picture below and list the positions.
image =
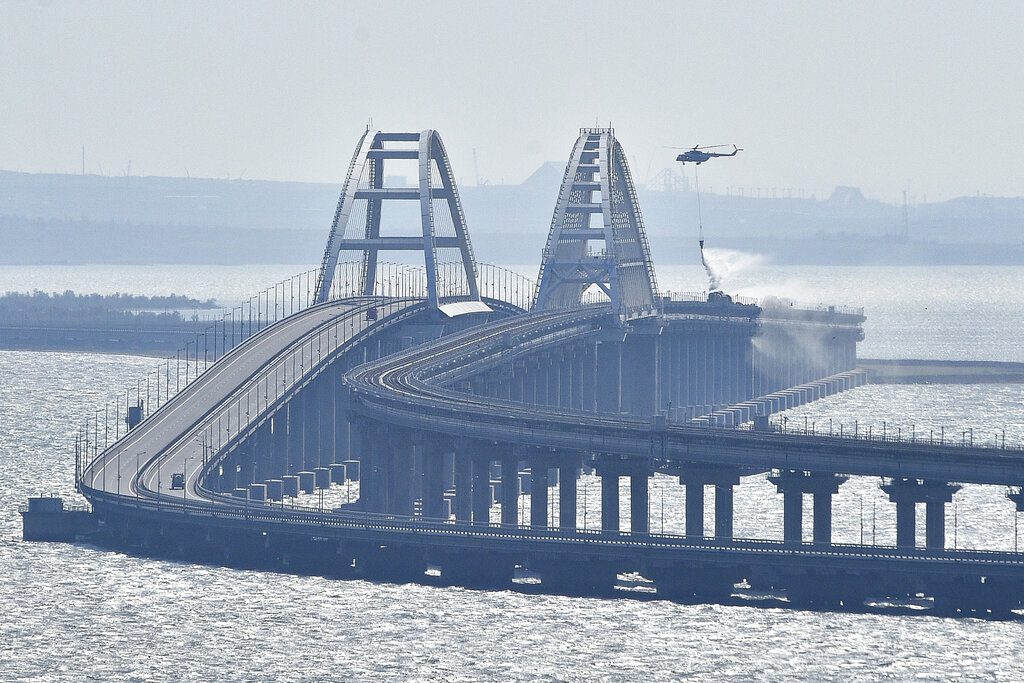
(924, 371)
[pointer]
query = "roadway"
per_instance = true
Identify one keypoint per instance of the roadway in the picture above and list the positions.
(230, 396)
(414, 389)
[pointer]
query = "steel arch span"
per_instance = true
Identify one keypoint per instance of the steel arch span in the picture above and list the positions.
(597, 182)
(443, 236)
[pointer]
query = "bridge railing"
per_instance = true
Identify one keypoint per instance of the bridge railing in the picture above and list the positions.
(895, 433)
(325, 517)
(109, 423)
(112, 421)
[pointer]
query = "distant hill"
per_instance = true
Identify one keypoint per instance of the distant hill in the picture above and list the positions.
(51, 218)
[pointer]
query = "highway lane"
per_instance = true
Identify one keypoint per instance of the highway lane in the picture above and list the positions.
(224, 399)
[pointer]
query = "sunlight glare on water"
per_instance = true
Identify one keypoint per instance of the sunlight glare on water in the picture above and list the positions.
(75, 612)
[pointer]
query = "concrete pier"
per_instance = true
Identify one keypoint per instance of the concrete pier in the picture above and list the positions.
(793, 484)
(338, 475)
(695, 477)
(46, 518)
(567, 479)
(538, 491)
(322, 477)
(481, 489)
(290, 485)
(463, 486)
(906, 493)
(433, 479)
(509, 494)
(639, 503)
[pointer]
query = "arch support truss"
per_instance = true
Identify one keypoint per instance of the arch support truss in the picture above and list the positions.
(442, 237)
(597, 234)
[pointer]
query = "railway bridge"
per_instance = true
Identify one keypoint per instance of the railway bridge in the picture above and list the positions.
(464, 403)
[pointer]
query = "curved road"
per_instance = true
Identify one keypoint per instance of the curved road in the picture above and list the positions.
(228, 397)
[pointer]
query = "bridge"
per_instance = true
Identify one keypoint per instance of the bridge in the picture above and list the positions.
(458, 397)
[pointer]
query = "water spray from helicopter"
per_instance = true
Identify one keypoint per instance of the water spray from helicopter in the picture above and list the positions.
(697, 155)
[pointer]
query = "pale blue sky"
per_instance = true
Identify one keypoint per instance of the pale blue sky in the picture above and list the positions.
(881, 95)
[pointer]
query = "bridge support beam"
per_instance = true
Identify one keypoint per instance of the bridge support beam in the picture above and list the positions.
(906, 494)
(695, 478)
(793, 484)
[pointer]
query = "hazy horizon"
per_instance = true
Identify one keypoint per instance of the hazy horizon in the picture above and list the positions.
(884, 97)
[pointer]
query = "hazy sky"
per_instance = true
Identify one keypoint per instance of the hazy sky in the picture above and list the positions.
(882, 95)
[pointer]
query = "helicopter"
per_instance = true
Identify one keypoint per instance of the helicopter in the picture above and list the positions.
(698, 156)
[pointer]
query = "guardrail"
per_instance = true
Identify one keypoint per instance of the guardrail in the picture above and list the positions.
(252, 511)
(110, 423)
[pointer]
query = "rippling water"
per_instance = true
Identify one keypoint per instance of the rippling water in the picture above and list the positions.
(74, 612)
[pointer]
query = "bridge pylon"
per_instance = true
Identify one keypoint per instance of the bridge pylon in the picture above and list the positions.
(610, 252)
(443, 237)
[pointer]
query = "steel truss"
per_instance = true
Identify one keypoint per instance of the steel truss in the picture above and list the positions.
(452, 285)
(621, 266)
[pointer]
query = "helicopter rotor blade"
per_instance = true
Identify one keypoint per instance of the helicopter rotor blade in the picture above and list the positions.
(711, 146)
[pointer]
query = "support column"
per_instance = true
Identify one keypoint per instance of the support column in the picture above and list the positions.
(723, 511)
(279, 447)
(695, 477)
(935, 525)
(294, 449)
(509, 489)
(567, 495)
(822, 518)
(793, 484)
(588, 396)
(433, 479)
(463, 486)
(695, 510)
(481, 489)
(538, 492)
(402, 472)
(906, 522)
(906, 493)
(609, 501)
(639, 504)
(609, 370)
(793, 516)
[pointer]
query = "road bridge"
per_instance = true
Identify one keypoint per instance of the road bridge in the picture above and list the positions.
(446, 406)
